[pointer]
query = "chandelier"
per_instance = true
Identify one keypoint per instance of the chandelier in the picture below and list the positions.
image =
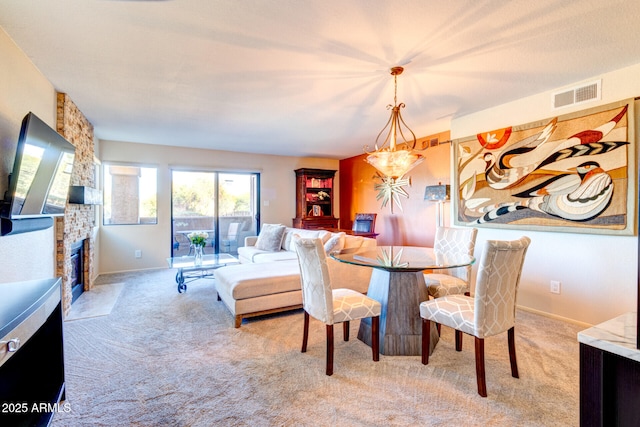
(394, 158)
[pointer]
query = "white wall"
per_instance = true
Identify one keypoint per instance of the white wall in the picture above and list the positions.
(277, 179)
(22, 89)
(598, 272)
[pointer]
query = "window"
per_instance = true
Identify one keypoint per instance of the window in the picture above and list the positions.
(130, 195)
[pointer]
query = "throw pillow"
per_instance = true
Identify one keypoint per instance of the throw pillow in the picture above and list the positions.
(287, 240)
(287, 243)
(353, 242)
(270, 237)
(335, 243)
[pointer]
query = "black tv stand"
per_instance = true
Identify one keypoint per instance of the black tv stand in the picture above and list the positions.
(31, 353)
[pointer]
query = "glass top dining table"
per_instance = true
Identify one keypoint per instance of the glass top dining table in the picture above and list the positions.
(405, 258)
(397, 282)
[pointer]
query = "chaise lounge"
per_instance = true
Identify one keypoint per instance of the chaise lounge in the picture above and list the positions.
(267, 280)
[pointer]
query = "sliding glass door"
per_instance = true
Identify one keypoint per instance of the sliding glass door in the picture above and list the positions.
(222, 204)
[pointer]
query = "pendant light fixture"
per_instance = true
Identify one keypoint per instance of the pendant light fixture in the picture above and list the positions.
(393, 157)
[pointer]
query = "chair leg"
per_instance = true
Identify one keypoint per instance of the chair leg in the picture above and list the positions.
(512, 353)
(375, 338)
(305, 333)
(480, 374)
(426, 340)
(329, 350)
(458, 340)
(345, 330)
(438, 327)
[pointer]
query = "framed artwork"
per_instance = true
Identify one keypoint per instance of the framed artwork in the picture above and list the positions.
(317, 211)
(572, 173)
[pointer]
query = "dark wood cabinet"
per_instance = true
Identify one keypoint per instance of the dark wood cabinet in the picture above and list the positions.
(314, 199)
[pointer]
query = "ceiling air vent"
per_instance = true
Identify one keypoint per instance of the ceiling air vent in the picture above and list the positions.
(577, 95)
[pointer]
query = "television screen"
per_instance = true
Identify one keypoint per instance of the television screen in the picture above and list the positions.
(41, 176)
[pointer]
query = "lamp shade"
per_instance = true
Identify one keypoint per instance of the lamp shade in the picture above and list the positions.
(437, 193)
(394, 163)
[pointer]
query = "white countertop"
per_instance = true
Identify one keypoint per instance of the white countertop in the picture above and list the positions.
(617, 336)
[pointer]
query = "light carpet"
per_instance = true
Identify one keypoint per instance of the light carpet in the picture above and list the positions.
(167, 359)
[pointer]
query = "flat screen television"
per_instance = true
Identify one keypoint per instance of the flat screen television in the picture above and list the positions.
(39, 183)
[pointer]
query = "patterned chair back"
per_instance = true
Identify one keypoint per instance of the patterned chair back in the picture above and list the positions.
(456, 240)
(497, 285)
(317, 295)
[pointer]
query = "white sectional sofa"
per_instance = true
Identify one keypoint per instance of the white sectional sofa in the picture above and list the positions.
(249, 253)
(268, 281)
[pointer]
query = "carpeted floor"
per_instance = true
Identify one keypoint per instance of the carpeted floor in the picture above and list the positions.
(166, 359)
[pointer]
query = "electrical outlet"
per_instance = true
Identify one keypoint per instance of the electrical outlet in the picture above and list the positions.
(555, 287)
(138, 253)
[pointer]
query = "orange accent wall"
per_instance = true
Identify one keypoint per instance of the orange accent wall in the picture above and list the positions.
(414, 224)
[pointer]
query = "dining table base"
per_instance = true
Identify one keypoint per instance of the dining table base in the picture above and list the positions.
(400, 294)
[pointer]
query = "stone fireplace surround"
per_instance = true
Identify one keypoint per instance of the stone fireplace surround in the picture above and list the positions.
(78, 223)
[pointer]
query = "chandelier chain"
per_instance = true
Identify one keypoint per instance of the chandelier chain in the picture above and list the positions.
(395, 89)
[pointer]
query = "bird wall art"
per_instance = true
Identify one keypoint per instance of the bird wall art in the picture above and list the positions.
(568, 173)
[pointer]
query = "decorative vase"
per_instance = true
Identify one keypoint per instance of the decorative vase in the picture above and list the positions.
(197, 258)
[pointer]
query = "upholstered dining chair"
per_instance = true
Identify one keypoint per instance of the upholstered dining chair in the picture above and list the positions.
(329, 305)
(364, 222)
(490, 312)
(453, 280)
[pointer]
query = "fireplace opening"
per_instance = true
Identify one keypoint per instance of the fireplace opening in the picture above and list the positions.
(77, 270)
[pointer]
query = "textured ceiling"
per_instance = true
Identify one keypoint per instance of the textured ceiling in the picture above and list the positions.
(309, 77)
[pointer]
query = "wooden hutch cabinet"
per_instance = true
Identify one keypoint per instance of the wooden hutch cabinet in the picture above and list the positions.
(314, 199)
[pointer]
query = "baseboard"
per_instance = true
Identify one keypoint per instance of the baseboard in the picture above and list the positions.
(131, 271)
(553, 316)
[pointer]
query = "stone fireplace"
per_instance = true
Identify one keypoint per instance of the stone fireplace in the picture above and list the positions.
(78, 223)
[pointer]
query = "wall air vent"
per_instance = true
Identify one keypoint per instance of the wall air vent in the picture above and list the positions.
(577, 95)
